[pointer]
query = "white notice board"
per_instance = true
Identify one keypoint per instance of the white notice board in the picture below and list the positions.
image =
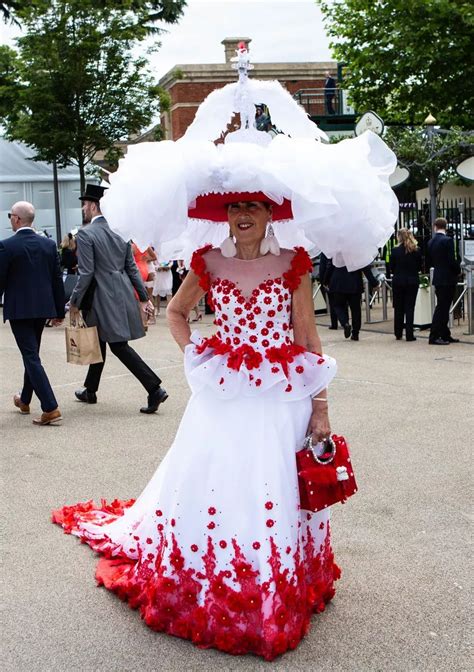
(469, 250)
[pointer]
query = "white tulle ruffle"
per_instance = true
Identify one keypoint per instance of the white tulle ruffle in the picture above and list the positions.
(213, 115)
(306, 375)
(341, 199)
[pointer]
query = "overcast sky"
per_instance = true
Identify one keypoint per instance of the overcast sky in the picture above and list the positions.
(281, 30)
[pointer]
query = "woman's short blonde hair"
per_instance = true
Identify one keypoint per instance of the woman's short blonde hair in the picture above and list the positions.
(407, 239)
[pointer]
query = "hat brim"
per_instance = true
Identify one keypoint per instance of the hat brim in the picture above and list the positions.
(89, 198)
(214, 207)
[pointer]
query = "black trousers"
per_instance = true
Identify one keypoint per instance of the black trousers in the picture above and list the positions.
(329, 300)
(27, 334)
(404, 299)
(130, 359)
(439, 323)
(341, 302)
(329, 100)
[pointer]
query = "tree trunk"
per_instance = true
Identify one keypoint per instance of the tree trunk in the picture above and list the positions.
(82, 174)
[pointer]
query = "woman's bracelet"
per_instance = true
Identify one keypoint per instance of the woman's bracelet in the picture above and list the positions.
(319, 399)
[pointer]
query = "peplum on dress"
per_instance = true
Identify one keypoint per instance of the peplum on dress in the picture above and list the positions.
(216, 549)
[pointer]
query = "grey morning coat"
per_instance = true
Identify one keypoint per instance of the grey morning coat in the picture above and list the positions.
(105, 257)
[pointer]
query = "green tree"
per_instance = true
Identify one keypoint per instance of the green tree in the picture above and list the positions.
(9, 84)
(430, 154)
(424, 153)
(8, 10)
(147, 12)
(79, 86)
(405, 59)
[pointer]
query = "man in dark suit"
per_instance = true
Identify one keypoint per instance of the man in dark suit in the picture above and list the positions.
(442, 257)
(108, 276)
(329, 93)
(323, 264)
(346, 288)
(31, 279)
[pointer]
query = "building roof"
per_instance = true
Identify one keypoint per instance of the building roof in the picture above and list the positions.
(17, 165)
(221, 72)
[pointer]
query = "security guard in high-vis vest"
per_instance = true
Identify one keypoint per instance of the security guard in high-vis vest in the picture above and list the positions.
(386, 254)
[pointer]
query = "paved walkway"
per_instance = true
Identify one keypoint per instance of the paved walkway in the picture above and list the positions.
(402, 542)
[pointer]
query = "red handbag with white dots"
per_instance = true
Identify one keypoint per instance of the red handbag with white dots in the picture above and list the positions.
(325, 473)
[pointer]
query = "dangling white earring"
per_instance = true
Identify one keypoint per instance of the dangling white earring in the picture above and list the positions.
(270, 242)
(228, 248)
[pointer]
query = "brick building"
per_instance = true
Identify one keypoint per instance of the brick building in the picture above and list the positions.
(188, 85)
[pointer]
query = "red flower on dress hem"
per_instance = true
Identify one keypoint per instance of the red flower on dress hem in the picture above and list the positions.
(228, 618)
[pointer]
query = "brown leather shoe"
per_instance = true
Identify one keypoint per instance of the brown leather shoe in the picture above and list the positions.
(24, 408)
(48, 418)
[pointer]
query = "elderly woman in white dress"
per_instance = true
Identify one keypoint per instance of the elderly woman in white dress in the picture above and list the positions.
(222, 513)
(217, 549)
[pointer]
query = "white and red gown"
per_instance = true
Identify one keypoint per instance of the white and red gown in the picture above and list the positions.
(216, 549)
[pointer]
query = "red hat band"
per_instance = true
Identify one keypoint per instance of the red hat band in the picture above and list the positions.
(213, 207)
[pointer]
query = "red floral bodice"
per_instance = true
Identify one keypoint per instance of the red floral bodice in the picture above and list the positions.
(252, 350)
(257, 316)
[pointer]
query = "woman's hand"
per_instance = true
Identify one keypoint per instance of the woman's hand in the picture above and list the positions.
(319, 425)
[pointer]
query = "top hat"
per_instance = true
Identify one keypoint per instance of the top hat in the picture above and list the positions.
(92, 193)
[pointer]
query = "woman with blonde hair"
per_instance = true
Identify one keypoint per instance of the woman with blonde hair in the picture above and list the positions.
(405, 262)
(68, 254)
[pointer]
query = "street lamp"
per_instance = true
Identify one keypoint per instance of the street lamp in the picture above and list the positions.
(461, 220)
(430, 122)
(57, 210)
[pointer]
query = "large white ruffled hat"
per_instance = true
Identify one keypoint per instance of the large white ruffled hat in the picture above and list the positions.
(331, 198)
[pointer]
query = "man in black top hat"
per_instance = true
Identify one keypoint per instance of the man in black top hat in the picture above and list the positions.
(108, 276)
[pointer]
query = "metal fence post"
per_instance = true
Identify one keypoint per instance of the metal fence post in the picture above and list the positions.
(432, 294)
(367, 301)
(468, 271)
(384, 301)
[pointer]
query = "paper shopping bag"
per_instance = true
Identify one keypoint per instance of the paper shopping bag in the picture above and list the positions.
(82, 344)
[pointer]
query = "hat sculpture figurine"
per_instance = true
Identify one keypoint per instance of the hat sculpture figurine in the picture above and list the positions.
(334, 198)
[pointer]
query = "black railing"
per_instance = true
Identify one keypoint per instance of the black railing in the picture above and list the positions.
(321, 102)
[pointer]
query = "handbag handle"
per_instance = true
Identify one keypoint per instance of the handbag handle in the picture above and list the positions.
(329, 452)
(77, 323)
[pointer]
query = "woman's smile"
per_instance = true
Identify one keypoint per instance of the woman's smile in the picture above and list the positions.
(243, 226)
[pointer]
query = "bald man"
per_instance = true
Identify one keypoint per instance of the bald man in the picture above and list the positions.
(32, 284)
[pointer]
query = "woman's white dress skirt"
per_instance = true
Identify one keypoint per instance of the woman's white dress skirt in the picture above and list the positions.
(163, 282)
